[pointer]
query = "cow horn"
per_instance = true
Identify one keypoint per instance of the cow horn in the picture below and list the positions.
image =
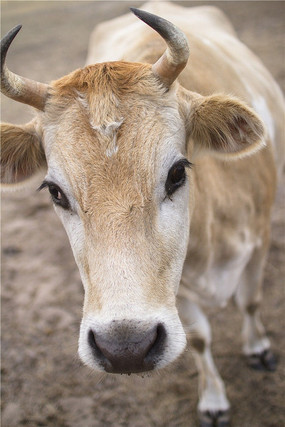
(16, 87)
(174, 59)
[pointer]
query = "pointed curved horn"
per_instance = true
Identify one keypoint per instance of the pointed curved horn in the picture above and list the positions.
(16, 87)
(174, 59)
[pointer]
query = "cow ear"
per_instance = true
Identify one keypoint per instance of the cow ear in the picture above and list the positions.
(225, 127)
(22, 154)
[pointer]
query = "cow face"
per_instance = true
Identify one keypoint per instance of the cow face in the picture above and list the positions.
(119, 185)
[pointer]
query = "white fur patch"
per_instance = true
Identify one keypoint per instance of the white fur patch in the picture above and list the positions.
(107, 129)
(110, 130)
(260, 106)
(208, 42)
(218, 283)
(83, 101)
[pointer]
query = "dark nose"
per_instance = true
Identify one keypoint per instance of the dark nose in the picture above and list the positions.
(126, 348)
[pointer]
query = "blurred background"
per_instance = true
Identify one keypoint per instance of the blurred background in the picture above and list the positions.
(43, 383)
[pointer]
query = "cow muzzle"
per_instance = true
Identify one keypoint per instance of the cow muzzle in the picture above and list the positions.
(131, 342)
(127, 347)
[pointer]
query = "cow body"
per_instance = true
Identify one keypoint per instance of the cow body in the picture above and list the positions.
(117, 138)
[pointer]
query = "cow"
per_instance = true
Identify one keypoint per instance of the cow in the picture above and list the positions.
(163, 173)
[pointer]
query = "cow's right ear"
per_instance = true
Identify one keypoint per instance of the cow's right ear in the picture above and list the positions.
(22, 154)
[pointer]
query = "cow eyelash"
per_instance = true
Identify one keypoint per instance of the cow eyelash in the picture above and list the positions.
(57, 195)
(176, 176)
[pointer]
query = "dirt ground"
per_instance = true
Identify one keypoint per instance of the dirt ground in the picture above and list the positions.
(43, 382)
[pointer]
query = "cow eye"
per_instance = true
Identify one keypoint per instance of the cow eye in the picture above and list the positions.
(57, 195)
(176, 176)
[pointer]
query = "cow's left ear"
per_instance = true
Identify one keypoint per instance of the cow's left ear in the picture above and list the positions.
(224, 126)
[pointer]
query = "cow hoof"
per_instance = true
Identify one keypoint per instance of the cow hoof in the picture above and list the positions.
(265, 361)
(214, 419)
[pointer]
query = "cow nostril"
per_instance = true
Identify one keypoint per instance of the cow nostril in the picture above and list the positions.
(92, 341)
(96, 350)
(158, 344)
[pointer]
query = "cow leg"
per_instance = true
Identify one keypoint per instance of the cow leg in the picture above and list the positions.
(213, 404)
(256, 345)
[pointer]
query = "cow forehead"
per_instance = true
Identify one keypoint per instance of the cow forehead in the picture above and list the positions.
(107, 125)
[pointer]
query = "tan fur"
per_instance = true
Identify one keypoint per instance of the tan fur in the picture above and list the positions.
(21, 152)
(109, 100)
(119, 78)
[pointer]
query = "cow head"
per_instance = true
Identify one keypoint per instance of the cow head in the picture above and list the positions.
(117, 139)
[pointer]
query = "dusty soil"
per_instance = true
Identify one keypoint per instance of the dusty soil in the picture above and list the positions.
(43, 383)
